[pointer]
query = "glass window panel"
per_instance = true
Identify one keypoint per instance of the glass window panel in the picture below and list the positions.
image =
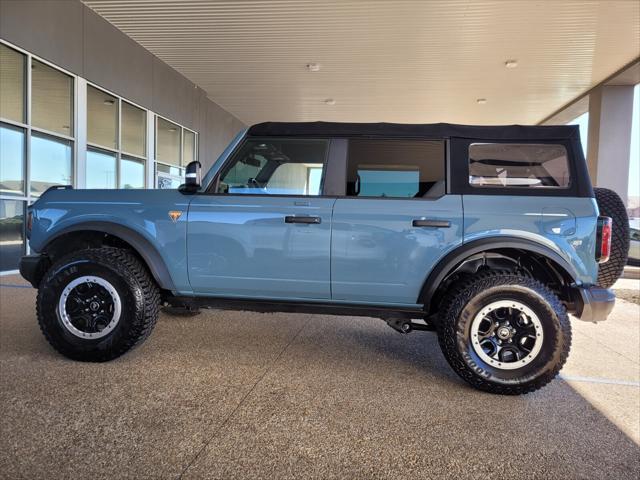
(102, 118)
(134, 129)
(519, 165)
(101, 169)
(51, 162)
(189, 147)
(131, 173)
(11, 233)
(168, 177)
(277, 167)
(396, 168)
(12, 93)
(12, 159)
(168, 137)
(51, 99)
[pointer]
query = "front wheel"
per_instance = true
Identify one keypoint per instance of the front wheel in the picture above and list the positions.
(504, 333)
(96, 304)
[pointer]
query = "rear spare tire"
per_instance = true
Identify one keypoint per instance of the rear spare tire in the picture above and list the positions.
(611, 205)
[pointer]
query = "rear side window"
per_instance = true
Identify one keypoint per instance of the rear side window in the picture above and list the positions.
(518, 165)
(396, 168)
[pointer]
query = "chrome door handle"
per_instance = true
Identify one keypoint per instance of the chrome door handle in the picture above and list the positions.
(308, 220)
(431, 223)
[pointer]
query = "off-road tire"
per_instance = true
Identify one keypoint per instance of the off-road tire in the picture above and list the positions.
(138, 292)
(467, 298)
(611, 205)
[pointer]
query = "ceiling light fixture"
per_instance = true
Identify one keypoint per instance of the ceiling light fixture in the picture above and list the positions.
(511, 63)
(481, 101)
(109, 101)
(330, 101)
(313, 67)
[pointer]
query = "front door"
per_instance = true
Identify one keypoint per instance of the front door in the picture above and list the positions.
(265, 232)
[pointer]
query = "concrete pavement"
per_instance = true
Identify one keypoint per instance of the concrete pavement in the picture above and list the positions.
(244, 395)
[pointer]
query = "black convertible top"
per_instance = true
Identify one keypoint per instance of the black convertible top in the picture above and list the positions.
(433, 130)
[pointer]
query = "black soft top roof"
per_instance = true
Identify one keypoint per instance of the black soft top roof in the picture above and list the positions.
(433, 130)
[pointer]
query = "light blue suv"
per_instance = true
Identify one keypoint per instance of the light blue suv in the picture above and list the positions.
(488, 235)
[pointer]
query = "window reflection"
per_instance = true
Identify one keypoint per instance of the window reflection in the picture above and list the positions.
(131, 173)
(51, 94)
(134, 129)
(101, 169)
(168, 134)
(12, 93)
(51, 162)
(11, 233)
(102, 118)
(12, 161)
(189, 147)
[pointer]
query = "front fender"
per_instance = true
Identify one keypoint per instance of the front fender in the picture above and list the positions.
(140, 218)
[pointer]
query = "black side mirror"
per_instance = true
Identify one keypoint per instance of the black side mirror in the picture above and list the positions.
(193, 177)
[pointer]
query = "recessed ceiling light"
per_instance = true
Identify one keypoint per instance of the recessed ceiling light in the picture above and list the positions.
(330, 101)
(313, 67)
(109, 101)
(481, 101)
(511, 63)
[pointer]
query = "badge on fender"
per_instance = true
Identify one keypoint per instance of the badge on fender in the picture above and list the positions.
(174, 215)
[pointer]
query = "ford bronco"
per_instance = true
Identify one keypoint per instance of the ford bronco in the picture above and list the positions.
(489, 236)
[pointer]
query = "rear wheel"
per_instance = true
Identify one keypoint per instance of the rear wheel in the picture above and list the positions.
(96, 304)
(504, 333)
(611, 205)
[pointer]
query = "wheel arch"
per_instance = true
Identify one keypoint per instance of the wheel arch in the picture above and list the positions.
(500, 251)
(95, 233)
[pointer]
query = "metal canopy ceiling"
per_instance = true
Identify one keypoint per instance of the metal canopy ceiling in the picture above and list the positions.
(396, 61)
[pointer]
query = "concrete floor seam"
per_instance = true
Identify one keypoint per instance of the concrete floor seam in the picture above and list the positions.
(243, 399)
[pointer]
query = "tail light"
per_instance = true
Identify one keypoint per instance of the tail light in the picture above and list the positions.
(603, 239)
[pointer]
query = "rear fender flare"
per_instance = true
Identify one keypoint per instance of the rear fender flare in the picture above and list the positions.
(448, 263)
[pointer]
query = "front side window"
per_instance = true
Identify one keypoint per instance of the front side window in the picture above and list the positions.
(518, 165)
(396, 168)
(276, 167)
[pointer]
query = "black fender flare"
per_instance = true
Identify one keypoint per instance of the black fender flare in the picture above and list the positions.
(138, 242)
(466, 250)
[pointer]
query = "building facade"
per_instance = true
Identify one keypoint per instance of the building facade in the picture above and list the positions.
(82, 104)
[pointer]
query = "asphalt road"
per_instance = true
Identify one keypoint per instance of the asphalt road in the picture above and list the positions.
(243, 395)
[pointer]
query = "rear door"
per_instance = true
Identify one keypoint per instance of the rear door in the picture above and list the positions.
(266, 230)
(395, 221)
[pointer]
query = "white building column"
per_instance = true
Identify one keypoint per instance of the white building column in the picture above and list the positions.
(610, 115)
